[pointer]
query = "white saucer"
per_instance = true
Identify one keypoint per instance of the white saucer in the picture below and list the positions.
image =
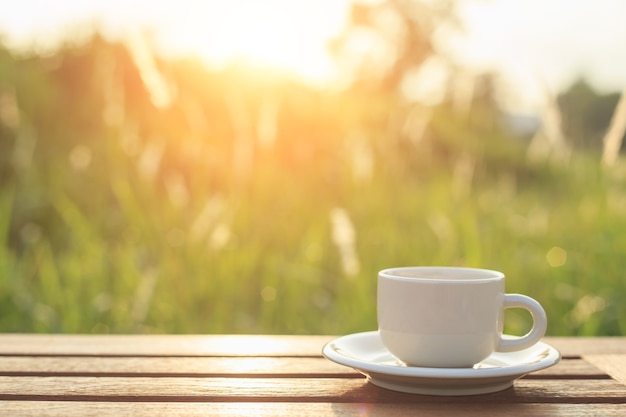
(366, 353)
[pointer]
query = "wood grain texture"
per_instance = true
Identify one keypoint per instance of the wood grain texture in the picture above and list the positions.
(287, 409)
(613, 365)
(161, 345)
(224, 366)
(192, 375)
(286, 389)
(230, 345)
(578, 346)
(163, 366)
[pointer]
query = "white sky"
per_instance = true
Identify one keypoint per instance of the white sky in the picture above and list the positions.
(538, 45)
(546, 44)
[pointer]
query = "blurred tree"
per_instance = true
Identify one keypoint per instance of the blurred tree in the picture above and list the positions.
(385, 40)
(586, 114)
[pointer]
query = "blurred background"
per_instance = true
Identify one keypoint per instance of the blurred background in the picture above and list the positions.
(249, 166)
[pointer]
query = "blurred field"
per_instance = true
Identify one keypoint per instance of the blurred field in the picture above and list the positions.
(193, 201)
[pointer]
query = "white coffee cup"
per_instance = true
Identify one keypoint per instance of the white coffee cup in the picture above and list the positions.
(449, 317)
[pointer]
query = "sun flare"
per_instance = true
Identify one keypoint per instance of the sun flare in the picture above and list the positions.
(280, 35)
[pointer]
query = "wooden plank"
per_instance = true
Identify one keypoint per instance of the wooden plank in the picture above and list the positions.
(578, 346)
(223, 366)
(570, 369)
(161, 345)
(231, 345)
(287, 389)
(613, 365)
(288, 409)
(168, 366)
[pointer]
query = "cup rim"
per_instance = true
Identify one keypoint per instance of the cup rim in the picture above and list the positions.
(469, 275)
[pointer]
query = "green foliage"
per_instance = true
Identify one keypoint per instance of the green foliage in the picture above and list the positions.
(222, 212)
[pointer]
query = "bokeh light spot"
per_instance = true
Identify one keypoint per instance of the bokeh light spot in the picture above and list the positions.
(556, 256)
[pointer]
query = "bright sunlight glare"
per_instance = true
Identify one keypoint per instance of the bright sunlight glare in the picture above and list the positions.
(281, 35)
(276, 34)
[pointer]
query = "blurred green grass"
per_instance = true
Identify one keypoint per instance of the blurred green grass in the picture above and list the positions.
(151, 225)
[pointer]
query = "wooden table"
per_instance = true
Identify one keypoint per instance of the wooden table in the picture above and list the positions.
(74, 375)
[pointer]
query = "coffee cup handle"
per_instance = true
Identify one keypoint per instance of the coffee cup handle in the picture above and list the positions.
(540, 323)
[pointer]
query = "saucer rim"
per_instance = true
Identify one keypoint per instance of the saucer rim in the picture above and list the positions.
(552, 357)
